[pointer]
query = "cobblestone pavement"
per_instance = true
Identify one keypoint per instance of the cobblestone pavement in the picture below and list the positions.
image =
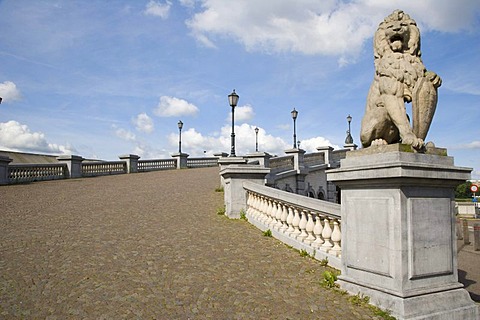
(149, 246)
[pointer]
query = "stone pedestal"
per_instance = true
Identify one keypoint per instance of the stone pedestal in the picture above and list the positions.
(132, 162)
(181, 159)
(235, 195)
(398, 231)
(4, 161)
(74, 164)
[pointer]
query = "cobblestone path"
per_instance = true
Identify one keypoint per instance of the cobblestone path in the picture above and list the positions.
(149, 246)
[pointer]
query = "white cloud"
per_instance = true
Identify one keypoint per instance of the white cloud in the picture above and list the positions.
(311, 145)
(9, 91)
(18, 137)
(337, 28)
(158, 9)
(244, 113)
(187, 3)
(172, 107)
(471, 145)
(143, 123)
(124, 134)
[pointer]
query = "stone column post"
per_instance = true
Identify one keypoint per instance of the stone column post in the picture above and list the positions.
(234, 193)
(226, 161)
(327, 152)
(263, 158)
(398, 231)
(4, 161)
(74, 165)
(299, 167)
(132, 162)
(181, 159)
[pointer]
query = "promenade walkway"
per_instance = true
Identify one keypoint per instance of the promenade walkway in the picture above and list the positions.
(149, 246)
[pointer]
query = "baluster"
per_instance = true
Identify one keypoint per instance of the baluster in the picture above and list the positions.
(268, 208)
(309, 229)
(326, 234)
(263, 216)
(336, 238)
(248, 212)
(283, 218)
(290, 217)
(295, 223)
(273, 213)
(302, 225)
(256, 206)
(278, 216)
(317, 231)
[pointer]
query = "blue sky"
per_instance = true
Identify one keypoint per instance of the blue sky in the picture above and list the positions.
(104, 78)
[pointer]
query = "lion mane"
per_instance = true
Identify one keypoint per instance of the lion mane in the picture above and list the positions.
(399, 77)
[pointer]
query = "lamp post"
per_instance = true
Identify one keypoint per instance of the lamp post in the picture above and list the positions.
(233, 100)
(349, 138)
(256, 139)
(180, 126)
(294, 116)
(1, 100)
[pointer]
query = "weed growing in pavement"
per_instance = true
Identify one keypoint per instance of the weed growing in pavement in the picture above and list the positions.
(329, 278)
(221, 211)
(304, 253)
(363, 300)
(359, 299)
(267, 233)
(324, 262)
(219, 189)
(243, 215)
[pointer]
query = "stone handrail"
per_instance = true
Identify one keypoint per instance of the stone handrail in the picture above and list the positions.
(202, 162)
(103, 168)
(157, 164)
(303, 223)
(281, 163)
(36, 172)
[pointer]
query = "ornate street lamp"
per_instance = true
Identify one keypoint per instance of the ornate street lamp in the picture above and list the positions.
(233, 100)
(256, 139)
(349, 138)
(294, 116)
(180, 126)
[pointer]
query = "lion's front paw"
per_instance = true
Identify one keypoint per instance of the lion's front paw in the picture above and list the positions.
(378, 142)
(412, 140)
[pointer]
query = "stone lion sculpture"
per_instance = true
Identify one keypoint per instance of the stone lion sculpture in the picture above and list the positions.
(400, 77)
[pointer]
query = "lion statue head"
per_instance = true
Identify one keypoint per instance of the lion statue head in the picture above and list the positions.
(397, 33)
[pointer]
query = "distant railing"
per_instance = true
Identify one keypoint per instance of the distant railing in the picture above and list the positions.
(202, 162)
(158, 164)
(18, 173)
(100, 168)
(304, 223)
(281, 163)
(316, 158)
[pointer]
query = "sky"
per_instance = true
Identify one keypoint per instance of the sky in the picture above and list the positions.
(101, 79)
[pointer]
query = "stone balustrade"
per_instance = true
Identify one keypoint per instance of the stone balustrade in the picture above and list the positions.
(18, 173)
(303, 223)
(281, 163)
(157, 164)
(315, 158)
(100, 168)
(202, 162)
